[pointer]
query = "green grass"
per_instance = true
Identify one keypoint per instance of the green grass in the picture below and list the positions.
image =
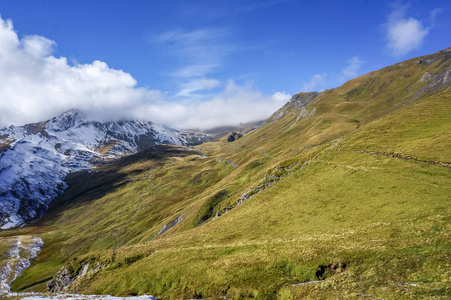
(421, 130)
(388, 231)
(357, 203)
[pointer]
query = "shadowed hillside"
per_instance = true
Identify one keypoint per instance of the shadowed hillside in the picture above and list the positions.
(350, 186)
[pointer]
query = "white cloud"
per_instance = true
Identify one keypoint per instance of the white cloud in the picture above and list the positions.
(201, 84)
(36, 86)
(317, 82)
(320, 82)
(433, 15)
(352, 69)
(200, 51)
(233, 105)
(197, 53)
(194, 70)
(404, 34)
(37, 46)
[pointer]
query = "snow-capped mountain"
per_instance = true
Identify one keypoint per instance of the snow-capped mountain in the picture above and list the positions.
(35, 158)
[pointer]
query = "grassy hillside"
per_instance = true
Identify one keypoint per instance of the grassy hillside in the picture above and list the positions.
(359, 179)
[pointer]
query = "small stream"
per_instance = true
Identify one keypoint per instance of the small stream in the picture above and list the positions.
(23, 248)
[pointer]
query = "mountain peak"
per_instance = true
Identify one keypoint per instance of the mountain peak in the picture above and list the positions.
(35, 158)
(66, 120)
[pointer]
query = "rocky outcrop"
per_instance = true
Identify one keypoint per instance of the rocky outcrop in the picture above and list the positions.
(426, 77)
(447, 77)
(227, 161)
(296, 103)
(435, 82)
(443, 56)
(23, 249)
(62, 280)
(219, 132)
(170, 225)
(67, 275)
(37, 157)
(233, 136)
(277, 173)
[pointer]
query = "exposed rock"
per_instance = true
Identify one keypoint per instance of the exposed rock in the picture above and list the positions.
(447, 77)
(61, 281)
(170, 225)
(233, 136)
(435, 82)
(301, 100)
(330, 269)
(304, 113)
(275, 174)
(218, 132)
(227, 161)
(35, 158)
(23, 248)
(296, 103)
(443, 55)
(67, 275)
(426, 77)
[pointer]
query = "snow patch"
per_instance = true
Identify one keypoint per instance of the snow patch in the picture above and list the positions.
(89, 297)
(18, 260)
(33, 169)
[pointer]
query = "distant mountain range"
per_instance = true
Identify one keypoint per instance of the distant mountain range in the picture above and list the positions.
(35, 158)
(343, 193)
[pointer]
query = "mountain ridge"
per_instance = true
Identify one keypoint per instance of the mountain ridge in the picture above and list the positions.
(329, 186)
(35, 158)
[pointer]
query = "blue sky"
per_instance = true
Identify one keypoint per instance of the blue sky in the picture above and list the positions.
(205, 63)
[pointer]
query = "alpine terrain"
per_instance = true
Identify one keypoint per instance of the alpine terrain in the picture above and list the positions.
(343, 193)
(35, 158)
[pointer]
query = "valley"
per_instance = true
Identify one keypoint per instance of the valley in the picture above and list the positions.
(342, 193)
(37, 157)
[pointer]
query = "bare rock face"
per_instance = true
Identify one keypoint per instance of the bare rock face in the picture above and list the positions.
(35, 158)
(62, 280)
(436, 81)
(67, 275)
(447, 77)
(23, 249)
(443, 56)
(170, 225)
(296, 103)
(426, 77)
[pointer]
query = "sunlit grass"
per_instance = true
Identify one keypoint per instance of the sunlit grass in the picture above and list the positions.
(386, 217)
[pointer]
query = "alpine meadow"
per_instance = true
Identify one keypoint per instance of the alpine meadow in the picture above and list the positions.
(343, 193)
(354, 181)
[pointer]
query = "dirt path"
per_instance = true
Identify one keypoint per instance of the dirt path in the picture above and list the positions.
(400, 156)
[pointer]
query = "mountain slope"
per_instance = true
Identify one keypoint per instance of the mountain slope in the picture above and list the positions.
(315, 216)
(36, 157)
(357, 177)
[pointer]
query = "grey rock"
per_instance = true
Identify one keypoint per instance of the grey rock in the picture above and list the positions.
(447, 77)
(35, 158)
(61, 281)
(170, 225)
(426, 77)
(227, 161)
(296, 103)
